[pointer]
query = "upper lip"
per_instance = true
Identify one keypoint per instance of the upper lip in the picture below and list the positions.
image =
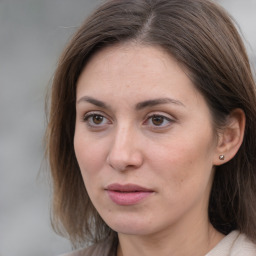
(127, 188)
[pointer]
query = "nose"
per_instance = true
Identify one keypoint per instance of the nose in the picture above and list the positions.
(125, 152)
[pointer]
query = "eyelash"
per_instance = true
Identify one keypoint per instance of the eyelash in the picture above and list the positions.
(88, 119)
(160, 126)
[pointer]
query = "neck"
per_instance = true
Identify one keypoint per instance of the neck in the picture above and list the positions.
(184, 242)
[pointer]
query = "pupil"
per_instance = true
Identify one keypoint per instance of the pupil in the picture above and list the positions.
(97, 119)
(157, 120)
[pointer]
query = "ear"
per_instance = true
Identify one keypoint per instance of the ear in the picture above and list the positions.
(230, 137)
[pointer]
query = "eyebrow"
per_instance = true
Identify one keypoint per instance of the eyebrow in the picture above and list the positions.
(93, 101)
(154, 102)
(139, 106)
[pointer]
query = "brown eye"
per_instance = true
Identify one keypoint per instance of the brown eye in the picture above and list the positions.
(97, 119)
(158, 120)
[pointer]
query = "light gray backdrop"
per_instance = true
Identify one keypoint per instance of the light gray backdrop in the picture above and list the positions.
(32, 35)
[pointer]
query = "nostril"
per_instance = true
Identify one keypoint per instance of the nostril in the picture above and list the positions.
(124, 154)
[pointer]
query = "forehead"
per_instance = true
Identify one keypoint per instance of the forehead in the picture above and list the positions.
(135, 67)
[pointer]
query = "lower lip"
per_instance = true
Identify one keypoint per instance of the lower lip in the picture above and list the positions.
(128, 198)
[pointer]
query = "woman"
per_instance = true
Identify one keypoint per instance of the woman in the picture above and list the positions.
(151, 133)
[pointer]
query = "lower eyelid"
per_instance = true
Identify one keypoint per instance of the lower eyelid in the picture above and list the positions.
(166, 122)
(107, 120)
(88, 120)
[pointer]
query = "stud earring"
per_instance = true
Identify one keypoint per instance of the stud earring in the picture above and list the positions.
(221, 157)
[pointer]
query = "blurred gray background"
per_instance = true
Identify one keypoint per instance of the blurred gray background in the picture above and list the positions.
(32, 36)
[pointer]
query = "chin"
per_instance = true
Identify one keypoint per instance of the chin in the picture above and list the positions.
(131, 226)
(128, 230)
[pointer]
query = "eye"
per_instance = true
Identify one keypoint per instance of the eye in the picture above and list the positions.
(96, 120)
(158, 121)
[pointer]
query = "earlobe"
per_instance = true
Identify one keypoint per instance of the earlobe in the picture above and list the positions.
(231, 137)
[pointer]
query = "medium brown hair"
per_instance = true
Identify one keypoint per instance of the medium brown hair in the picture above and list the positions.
(203, 39)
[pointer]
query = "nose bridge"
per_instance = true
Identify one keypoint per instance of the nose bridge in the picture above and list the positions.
(124, 135)
(124, 152)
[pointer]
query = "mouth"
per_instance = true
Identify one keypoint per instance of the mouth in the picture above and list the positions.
(128, 194)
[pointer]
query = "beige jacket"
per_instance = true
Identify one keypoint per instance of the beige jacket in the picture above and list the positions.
(234, 244)
(105, 248)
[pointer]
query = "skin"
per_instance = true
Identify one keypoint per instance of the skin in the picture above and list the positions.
(172, 153)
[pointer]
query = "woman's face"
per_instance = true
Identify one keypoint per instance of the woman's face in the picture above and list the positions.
(144, 141)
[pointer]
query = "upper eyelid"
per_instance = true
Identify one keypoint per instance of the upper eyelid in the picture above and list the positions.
(148, 115)
(87, 118)
(166, 118)
(159, 113)
(96, 112)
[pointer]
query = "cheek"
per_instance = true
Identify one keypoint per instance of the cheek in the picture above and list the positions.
(89, 153)
(184, 162)
(90, 160)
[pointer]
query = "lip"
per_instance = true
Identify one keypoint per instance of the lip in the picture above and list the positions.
(127, 194)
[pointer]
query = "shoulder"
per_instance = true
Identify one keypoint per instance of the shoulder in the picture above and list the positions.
(104, 248)
(234, 244)
(243, 246)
